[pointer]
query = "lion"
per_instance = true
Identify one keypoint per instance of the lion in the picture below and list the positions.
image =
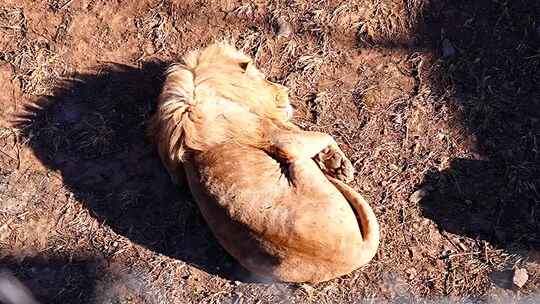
(272, 194)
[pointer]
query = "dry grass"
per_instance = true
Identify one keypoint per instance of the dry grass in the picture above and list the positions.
(153, 29)
(462, 128)
(37, 65)
(394, 22)
(13, 24)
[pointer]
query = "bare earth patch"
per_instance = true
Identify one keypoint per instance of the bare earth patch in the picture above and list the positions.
(437, 103)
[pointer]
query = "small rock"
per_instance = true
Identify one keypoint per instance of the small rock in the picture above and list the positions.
(448, 49)
(284, 28)
(520, 277)
(418, 195)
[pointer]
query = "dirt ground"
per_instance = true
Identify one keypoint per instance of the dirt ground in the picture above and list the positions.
(437, 103)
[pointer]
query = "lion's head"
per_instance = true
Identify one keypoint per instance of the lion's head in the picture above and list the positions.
(232, 74)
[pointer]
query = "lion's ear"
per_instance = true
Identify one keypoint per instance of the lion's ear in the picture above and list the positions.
(244, 65)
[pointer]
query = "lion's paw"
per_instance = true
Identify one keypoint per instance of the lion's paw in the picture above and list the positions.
(334, 163)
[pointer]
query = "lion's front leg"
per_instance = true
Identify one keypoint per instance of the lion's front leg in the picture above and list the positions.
(302, 145)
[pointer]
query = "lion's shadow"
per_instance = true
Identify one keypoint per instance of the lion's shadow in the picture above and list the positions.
(92, 131)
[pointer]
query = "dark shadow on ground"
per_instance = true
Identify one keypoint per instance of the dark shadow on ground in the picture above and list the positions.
(49, 280)
(492, 67)
(69, 279)
(472, 198)
(91, 130)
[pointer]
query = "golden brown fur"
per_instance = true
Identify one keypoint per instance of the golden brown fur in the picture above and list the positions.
(270, 192)
(179, 123)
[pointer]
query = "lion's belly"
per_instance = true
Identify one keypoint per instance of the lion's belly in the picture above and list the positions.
(263, 220)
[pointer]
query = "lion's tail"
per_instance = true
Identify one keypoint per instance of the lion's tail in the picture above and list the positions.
(368, 222)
